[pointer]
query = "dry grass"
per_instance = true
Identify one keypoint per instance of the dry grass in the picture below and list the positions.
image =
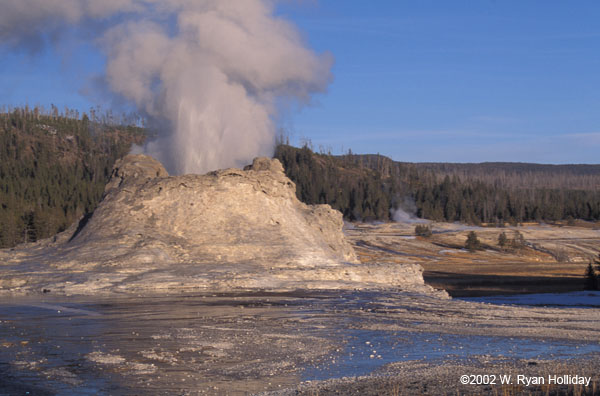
(554, 258)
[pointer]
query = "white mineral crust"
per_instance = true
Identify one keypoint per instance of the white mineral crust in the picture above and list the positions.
(226, 230)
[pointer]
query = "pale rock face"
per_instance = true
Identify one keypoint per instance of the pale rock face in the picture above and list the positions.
(225, 230)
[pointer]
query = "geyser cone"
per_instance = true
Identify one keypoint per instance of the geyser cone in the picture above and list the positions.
(226, 230)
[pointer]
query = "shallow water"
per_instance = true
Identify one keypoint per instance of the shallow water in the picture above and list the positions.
(580, 299)
(229, 344)
(152, 345)
(366, 351)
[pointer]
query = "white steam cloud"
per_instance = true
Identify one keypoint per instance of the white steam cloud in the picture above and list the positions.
(406, 212)
(213, 71)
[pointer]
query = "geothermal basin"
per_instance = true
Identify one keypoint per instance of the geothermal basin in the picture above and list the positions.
(226, 284)
(248, 343)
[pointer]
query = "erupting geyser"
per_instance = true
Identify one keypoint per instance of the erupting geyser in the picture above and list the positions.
(227, 230)
(213, 71)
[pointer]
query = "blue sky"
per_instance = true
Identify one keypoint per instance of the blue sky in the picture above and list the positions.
(458, 81)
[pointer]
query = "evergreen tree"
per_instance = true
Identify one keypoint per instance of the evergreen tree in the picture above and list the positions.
(53, 169)
(591, 279)
(472, 244)
(366, 186)
(518, 242)
(502, 240)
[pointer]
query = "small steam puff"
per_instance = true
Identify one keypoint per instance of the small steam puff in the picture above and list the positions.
(213, 71)
(405, 213)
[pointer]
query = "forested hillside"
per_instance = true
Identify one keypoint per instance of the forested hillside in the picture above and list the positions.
(502, 174)
(358, 192)
(366, 187)
(53, 169)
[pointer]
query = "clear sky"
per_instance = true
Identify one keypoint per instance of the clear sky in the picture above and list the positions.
(458, 81)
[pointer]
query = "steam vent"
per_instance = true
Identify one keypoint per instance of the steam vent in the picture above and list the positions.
(223, 231)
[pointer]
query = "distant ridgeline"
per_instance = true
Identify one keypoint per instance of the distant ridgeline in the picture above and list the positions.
(365, 187)
(53, 168)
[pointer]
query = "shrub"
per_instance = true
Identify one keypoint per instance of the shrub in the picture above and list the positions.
(423, 231)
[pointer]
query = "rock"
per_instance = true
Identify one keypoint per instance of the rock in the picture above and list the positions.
(135, 169)
(226, 230)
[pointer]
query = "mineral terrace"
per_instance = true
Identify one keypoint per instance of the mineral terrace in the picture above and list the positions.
(227, 230)
(226, 284)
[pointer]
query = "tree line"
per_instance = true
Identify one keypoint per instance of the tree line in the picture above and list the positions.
(367, 187)
(359, 193)
(53, 168)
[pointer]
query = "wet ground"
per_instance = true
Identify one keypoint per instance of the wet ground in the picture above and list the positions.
(248, 343)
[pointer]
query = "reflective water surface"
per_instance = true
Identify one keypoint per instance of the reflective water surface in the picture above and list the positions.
(240, 343)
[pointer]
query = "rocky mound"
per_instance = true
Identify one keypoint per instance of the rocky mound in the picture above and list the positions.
(226, 230)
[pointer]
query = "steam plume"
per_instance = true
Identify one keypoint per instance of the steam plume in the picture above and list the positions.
(406, 212)
(213, 71)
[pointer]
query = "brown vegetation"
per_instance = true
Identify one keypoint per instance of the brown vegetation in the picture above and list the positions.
(538, 258)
